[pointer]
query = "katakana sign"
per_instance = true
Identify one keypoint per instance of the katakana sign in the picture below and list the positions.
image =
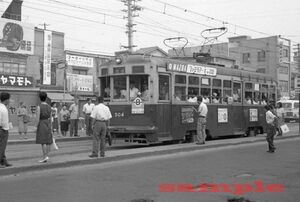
(17, 81)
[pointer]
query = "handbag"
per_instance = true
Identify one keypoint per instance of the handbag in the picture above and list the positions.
(26, 119)
(284, 128)
(54, 145)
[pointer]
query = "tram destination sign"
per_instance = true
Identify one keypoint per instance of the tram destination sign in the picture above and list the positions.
(192, 69)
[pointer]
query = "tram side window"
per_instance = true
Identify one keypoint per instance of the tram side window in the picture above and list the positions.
(180, 88)
(272, 92)
(193, 88)
(120, 87)
(216, 91)
(105, 87)
(205, 89)
(163, 87)
(138, 86)
(256, 99)
(248, 93)
(264, 90)
(237, 89)
(227, 92)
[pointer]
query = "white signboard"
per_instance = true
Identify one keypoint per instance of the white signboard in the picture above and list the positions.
(192, 69)
(47, 57)
(80, 61)
(222, 115)
(77, 82)
(137, 106)
(16, 37)
(253, 115)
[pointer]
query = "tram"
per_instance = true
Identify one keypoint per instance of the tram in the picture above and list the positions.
(154, 99)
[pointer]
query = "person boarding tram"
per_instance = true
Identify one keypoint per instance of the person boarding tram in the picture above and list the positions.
(100, 120)
(201, 124)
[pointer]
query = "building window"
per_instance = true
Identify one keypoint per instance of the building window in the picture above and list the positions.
(246, 58)
(285, 53)
(283, 70)
(283, 86)
(78, 71)
(12, 68)
(261, 56)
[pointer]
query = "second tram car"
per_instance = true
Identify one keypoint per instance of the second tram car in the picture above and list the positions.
(153, 99)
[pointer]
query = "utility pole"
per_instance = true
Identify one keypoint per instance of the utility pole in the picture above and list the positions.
(45, 25)
(131, 9)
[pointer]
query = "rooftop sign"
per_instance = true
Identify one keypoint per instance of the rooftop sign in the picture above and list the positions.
(192, 69)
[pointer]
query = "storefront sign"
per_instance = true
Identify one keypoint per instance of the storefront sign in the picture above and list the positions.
(192, 69)
(80, 61)
(77, 82)
(137, 106)
(187, 115)
(253, 115)
(16, 81)
(16, 37)
(222, 115)
(47, 57)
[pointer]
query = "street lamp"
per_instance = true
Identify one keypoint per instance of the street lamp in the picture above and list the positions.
(63, 65)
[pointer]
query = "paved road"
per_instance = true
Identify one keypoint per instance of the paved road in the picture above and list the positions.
(140, 178)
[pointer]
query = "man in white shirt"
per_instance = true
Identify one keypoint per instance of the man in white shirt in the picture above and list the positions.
(271, 128)
(133, 91)
(87, 110)
(201, 124)
(4, 127)
(74, 118)
(101, 116)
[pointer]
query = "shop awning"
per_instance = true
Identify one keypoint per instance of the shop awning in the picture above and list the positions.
(59, 97)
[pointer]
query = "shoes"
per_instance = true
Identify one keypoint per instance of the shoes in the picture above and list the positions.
(93, 155)
(7, 164)
(44, 160)
(271, 151)
(102, 155)
(200, 143)
(2, 166)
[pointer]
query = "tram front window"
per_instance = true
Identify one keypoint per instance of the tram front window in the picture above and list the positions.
(120, 87)
(138, 86)
(105, 87)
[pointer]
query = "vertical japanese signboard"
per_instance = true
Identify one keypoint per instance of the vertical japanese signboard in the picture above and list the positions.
(253, 115)
(222, 115)
(47, 57)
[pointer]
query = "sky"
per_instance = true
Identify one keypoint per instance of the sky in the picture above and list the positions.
(99, 26)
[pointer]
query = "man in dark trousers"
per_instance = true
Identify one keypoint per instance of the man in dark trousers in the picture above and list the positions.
(101, 116)
(271, 128)
(201, 124)
(87, 110)
(4, 127)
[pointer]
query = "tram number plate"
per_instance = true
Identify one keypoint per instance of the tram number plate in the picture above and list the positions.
(119, 114)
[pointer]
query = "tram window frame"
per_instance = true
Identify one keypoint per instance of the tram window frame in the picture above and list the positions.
(105, 87)
(165, 88)
(205, 88)
(180, 87)
(123, 96)
(193, 88)
(248, 92)
(216, 93)
(227, 92)
(237, 91)
(141, 82)
(264, 89)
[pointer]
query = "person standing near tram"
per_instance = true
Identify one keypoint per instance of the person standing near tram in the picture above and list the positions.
(87, 110)
(201, 124)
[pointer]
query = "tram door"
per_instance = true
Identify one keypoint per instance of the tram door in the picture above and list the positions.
(237, 109)
(163, 118)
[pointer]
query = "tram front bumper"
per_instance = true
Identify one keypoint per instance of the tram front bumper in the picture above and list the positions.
(132, 129)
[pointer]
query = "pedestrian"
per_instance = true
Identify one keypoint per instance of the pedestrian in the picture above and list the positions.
(74, 117)
(54, 117)
(64, 120)
(100, 120)
(22, 114)
(87, 110)
(4, 127)
(44, 131)
(201, 124)
(280, 116)
(271, 128)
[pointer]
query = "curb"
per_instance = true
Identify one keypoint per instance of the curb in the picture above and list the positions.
(61, 139)
(80, 162)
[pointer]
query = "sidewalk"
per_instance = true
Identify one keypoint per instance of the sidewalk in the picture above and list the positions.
(25, 157)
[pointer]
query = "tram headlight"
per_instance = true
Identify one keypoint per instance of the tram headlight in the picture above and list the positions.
(118, 60)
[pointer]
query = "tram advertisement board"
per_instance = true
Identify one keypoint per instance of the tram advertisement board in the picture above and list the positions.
(253, 115)
(222, 115)
(192, 69)
(187, 115)
(137, 106)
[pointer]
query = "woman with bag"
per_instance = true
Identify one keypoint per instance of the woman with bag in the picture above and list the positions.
(23, 119)
(44, 133)
(280, 115)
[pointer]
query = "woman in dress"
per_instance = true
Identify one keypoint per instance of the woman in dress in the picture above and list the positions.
(22, 120)
(64, 116)
(44, 133)
(280, 115)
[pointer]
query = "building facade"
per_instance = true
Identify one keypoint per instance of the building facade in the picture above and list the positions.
(270, 55)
